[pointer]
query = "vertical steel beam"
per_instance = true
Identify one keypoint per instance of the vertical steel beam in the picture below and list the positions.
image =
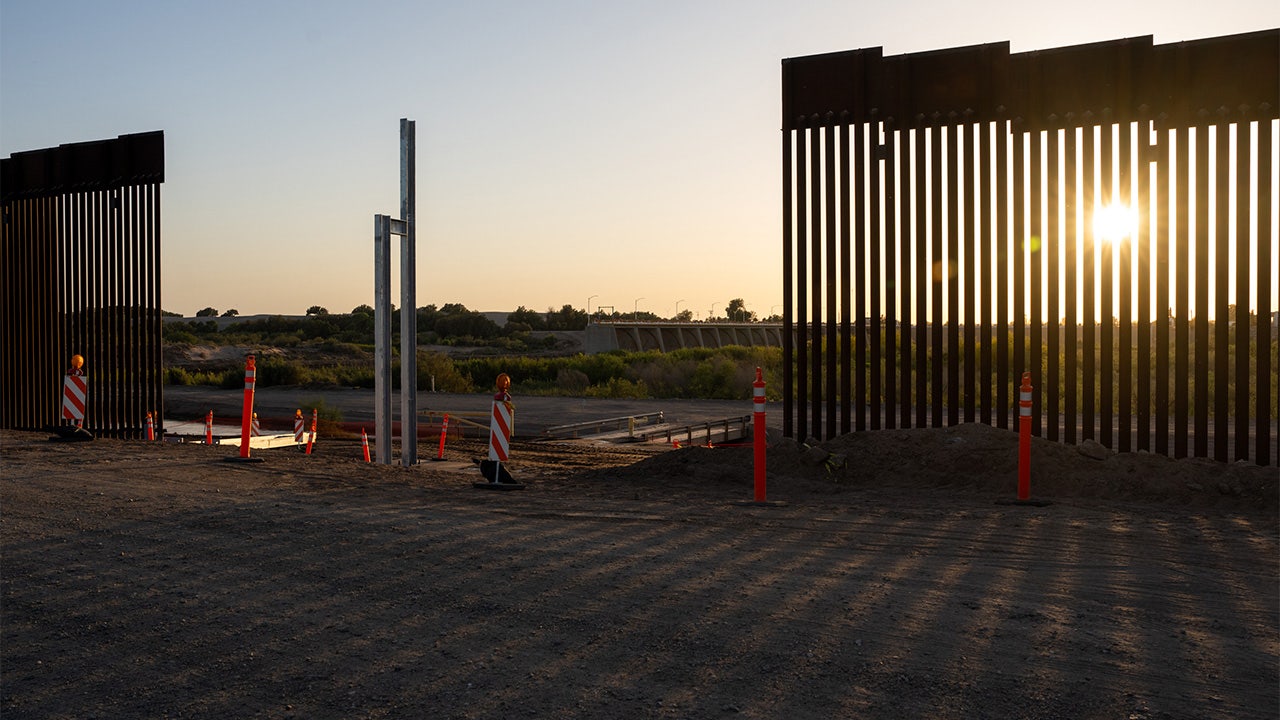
(848, 186)
(788, 324)
(382, 337)
(1052, 381)
(1203, 232)
(1106, 334)
(802, 287)
(1124, 341)
(1071, 342)
(1244, 155)
(815, 287)
(1264, 370)
(1003, 377)
(1021, 244)
(891, 285)
(832, 234)
(984, 146)
(969, 237)
(1221, 179)
(1143, 365)
(1034, 261)
(872, 395)
(1163, 242)
(907, 231)
(939, 271)
(858, 189)
(951, 268)
(922, 274)
(1185, 184)
(408, 302)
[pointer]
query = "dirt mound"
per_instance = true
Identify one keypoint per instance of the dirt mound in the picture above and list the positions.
(973, 457)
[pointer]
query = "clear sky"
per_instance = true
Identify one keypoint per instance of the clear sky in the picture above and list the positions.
(566, 148)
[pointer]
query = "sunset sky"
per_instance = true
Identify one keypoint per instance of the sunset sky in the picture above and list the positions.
(624, 154)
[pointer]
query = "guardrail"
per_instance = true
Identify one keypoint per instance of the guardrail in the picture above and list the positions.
(726, 430)
(595, 427)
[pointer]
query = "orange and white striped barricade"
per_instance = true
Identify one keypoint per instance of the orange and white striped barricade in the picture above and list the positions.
(299, 428)
(501, 422)
(75, 391)
(255, 430)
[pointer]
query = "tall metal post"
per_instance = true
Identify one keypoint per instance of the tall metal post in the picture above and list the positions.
(408, 303)
(382, 337)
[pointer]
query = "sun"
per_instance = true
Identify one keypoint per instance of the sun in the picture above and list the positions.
(1113, 223)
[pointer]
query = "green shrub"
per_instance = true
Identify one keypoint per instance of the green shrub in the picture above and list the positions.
(619, 388)
(277, 371)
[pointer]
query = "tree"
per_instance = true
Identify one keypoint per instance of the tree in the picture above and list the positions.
(684, 316)
(566, 318)
(317, 310)
(231, 313)
(207, 312)
(362, 310)
(525, 316)
(735, 311)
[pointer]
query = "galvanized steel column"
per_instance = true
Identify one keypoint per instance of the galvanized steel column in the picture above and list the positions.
(408, 302)
(382, 337)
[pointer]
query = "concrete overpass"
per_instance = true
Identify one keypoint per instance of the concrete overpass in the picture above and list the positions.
(668, 336)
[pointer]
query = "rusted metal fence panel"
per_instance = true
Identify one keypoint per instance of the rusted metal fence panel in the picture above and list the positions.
(81, 275)
(939, 238)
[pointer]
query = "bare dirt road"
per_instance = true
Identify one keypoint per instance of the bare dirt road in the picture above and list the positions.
(160, 580)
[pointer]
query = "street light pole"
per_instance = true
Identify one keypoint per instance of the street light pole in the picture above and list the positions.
(635, 311)
(677, 315)
(712, 312)
(593, 297)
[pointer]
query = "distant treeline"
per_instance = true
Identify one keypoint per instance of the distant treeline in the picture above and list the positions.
(341, 348)
(450, 324)
(706, 373)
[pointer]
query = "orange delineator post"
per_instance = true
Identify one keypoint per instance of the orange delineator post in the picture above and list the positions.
(208, 428)
(758, 403)
(298, 427)
(151, 428)
(364, 444)
(246, 416)
(1024, 438)
(444, 431)
(312, 439)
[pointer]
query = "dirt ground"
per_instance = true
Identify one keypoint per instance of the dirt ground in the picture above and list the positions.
(163, 581)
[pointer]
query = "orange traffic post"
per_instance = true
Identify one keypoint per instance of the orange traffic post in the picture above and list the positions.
(1024, 438)
(758, 403)
(311, 440)
(151, 428)
(208, 428)
(298, 427)
(246, 416)
(444, 433)
(364, 444)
